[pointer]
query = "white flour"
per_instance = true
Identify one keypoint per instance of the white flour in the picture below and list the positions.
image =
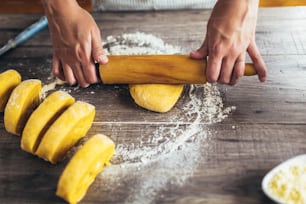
(176, 145)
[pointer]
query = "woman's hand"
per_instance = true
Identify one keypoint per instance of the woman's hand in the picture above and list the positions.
(230, 34)
(76, 42)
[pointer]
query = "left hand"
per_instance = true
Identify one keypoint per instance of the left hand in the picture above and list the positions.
(76, 42)
(230, 34)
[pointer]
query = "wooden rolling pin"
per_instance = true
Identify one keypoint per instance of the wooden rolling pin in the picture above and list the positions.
(156, 69)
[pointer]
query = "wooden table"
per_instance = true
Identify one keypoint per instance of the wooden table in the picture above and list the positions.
(267, 127)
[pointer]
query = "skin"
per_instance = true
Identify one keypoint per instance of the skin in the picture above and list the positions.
(230, 35)
(76, 42)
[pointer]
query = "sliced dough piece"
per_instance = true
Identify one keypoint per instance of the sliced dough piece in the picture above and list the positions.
(8, 81)
(66, 131)
(22, 102)
(83, 168)
(156, 97)
(41, 119)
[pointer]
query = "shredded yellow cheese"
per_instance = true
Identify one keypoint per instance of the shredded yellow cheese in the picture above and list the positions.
(289, 184)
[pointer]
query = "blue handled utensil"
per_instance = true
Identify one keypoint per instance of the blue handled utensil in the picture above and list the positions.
(25, 34)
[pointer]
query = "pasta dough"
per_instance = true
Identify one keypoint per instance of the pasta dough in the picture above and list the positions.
(156, 97)
(21, 103)
(84, 167)
(66, 131)
(42, 117)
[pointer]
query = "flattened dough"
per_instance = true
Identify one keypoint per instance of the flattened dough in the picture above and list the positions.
(84, 167)
(8, 81)
(156, 97)
(22, 102)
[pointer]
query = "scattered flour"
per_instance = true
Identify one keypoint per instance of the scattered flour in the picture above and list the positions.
(178, 145)
(138, 43)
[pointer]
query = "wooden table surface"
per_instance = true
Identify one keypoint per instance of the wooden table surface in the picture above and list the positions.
(267, 127)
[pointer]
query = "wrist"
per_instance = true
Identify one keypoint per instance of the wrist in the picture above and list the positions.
(230, 16)
(59, 7)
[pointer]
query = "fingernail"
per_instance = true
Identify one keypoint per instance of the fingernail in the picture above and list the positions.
(85, 85)
(263, 79)
(103, 59)
(193, 52)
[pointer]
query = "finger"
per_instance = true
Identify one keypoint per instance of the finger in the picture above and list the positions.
(79, 75)
(200, 53)
(214, 62)
(88, 67)
(89, 72)
(98, 53)
(69, 76)
(57, 68)
(258, 62)
(213, 68)
(226, 70)
(239, 68)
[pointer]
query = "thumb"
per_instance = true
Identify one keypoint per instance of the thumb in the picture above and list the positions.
(98, 53)
(200, 53)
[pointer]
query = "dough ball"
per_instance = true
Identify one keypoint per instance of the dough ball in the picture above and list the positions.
(156, 97)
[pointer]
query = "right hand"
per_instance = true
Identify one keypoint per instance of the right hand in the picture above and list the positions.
(230, 35)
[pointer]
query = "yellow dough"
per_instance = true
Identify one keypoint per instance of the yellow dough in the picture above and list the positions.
(22, 102)
(83, 168)
(156, 97)
(66, 131)
(41, 119)
(8, 81)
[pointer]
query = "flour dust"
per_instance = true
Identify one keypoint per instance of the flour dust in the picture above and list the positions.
(177, 146)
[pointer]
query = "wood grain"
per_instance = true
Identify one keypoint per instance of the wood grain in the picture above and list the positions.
(267, 127)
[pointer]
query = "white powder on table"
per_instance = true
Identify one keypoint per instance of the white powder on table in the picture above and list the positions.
(178, 144)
